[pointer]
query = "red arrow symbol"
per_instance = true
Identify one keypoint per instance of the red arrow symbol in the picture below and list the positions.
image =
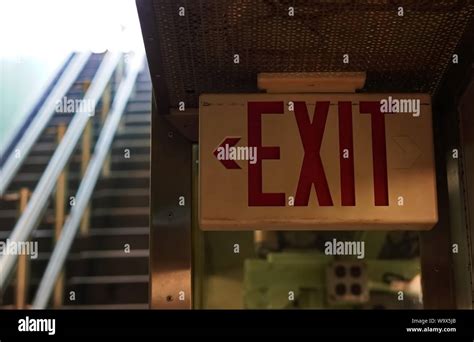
(228, 163)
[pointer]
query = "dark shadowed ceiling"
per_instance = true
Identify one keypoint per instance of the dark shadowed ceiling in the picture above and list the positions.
(194, 53)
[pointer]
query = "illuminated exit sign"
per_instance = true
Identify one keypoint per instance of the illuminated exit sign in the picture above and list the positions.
(316, 162)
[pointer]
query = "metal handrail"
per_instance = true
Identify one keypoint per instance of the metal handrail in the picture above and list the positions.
(39, 199)
(29, 138)
(87, 185)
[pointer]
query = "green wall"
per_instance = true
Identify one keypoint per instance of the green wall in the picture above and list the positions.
(23, 80)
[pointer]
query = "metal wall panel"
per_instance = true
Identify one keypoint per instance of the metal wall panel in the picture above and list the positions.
(170, 221)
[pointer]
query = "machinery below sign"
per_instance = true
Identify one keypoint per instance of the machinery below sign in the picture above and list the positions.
(316, 162)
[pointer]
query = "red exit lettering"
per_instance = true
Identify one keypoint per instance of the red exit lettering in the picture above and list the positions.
(312, 169)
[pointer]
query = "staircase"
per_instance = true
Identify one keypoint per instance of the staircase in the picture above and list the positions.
(108, 266)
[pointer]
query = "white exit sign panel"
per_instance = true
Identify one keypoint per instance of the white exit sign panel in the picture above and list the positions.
(316, 162)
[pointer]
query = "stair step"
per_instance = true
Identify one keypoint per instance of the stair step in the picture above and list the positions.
(121, 192)
(42, 147)
(135, 132)
(99, 216)
(100, 232)
(139, 106)
(144, 76)
(138, 119)
(128, 279)
(118, 217)
(121, 211)
(93, 293)
(128, 143)
(113, 243)
(117, 174)
(119, 231)
(9, 205)
(119, 163)
(43, 160)
(121, 198)
(8, 213)
(104, 183)
(105, 264)
(143, 96)
(137, 242)
(143, 87)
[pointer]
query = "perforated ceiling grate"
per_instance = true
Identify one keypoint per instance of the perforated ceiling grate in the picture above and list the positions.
(408, 53)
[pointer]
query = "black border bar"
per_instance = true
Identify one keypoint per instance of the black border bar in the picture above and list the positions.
(242, 323)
